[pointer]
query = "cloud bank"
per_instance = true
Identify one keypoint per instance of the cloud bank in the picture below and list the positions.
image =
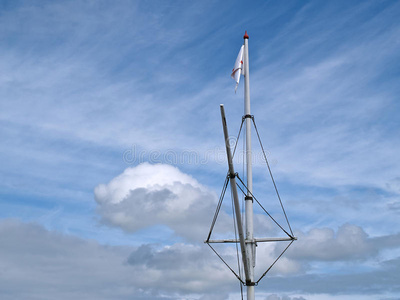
(50, 265)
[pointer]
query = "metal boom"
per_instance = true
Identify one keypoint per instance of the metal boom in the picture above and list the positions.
(232, 179)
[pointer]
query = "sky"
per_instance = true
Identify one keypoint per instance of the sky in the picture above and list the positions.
(112, 153)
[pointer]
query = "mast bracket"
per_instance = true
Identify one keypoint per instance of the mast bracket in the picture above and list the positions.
(232, 175)
(250, 283)
(248, 116)
(248, 198)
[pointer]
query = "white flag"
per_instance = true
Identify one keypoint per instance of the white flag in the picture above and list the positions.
(238, 67)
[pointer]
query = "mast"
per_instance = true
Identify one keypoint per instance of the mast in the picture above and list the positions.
(246, 240)
(250, 244)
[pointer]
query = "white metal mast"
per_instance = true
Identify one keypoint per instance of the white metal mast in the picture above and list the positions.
(250, 244)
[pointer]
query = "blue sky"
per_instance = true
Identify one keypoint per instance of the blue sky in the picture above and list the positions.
(112, 154)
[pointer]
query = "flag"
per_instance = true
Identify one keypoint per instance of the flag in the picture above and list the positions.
(238, 67)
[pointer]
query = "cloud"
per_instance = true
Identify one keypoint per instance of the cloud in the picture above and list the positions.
(40, 264)
(37, 263)
(214, 297)
(277, 297)
(383, 280)
(349, 243)
(148, 195)
(180, 267)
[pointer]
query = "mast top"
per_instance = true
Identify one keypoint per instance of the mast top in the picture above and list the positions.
(245, 35)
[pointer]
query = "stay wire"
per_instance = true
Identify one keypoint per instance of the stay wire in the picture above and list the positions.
(237, 138)
(237, 276)
(265, 273)
(218, 207)
(270, 173)
(272, 218)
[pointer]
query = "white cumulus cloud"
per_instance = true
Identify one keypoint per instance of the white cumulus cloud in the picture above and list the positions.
(148, 195)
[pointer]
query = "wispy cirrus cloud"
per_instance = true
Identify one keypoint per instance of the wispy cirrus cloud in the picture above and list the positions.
(82, 82)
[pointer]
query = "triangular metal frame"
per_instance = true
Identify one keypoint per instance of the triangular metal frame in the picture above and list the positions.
(243, 188)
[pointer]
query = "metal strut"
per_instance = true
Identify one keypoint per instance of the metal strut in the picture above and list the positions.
(232, 180)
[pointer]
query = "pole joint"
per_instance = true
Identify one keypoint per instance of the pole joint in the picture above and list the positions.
(250, 283)
(248, 116)
(248, 198)
(232, 175)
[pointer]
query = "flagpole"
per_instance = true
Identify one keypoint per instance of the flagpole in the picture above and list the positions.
(250, 244)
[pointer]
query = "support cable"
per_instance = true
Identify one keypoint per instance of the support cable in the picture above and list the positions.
(218, 207)
(237, 139)
(237, 276)
(272, 177)
(265, 273)
(272, 218)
